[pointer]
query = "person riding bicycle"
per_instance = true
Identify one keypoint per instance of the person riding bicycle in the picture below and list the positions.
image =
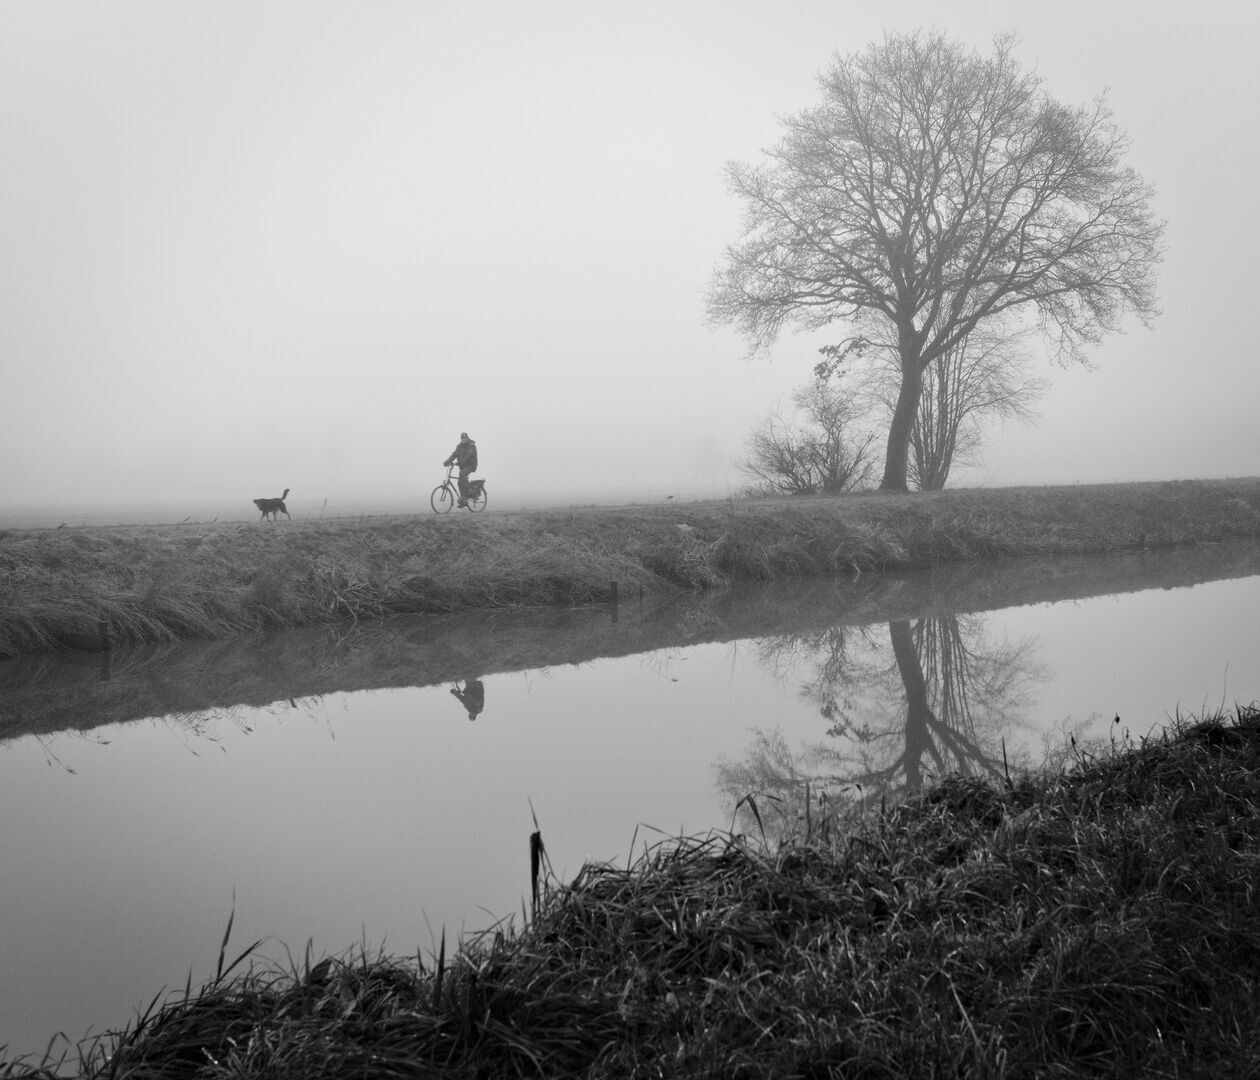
(465, 456)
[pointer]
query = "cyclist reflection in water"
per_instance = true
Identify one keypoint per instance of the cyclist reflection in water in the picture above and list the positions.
(472, 696)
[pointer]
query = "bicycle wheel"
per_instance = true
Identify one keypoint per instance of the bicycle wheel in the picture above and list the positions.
(477, 499)
(442, 499)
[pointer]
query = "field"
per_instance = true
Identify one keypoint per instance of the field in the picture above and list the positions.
(91, 586)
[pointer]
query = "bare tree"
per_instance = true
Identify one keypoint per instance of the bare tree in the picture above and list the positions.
(936, 189)
(984, 377)
(815, 450)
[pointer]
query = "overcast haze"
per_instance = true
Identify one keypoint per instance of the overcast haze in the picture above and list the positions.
(247, 245)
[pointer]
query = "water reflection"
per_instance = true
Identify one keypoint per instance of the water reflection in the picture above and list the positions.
(471, 693)
(917, 700)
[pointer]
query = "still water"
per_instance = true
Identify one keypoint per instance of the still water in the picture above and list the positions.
(331, 786)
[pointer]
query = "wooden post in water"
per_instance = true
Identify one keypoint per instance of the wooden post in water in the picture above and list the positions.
(88, 642)
(102, 629)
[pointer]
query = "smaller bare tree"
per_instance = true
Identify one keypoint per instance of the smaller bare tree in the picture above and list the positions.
(985, 376)
(815, 450)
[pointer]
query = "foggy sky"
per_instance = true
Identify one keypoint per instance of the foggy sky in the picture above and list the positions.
(254, 245)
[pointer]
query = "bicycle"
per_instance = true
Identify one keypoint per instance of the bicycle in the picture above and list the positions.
(446, 495)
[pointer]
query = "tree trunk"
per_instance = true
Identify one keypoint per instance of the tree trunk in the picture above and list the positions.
(896, 463)
(918, 712)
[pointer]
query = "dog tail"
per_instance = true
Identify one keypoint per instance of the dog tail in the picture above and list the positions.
(286, 494)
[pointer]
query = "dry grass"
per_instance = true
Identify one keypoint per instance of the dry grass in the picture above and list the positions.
(1099, 921)
(50, 692)
(163, 583)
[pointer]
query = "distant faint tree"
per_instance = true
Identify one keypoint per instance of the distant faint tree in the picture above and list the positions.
(937, 189)
(984, 377)
(813, 450)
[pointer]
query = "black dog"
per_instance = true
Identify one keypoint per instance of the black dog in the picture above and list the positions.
(274, 507)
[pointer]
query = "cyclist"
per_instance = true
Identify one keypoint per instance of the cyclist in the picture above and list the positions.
(465, 456)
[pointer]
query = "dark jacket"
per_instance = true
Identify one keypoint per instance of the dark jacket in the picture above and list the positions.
(464, 455)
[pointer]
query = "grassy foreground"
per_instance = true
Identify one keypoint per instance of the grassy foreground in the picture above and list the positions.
(75, 586)
(1102, 921)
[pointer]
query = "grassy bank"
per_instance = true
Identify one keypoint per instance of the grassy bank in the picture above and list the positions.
(1101, 921)
(74, 586)
(56, 692)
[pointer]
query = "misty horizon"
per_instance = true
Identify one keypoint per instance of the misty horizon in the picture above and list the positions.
(250, 247)
(175, 510)
(340, 505)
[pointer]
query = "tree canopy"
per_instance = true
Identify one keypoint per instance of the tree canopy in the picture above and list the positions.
(934, 189)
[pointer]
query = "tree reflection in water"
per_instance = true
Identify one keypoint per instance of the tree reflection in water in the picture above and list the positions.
(935, 697)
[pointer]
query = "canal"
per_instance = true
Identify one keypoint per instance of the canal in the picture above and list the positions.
(374, 785)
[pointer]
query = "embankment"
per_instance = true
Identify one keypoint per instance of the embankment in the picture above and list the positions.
(80, 587)
(51, 692)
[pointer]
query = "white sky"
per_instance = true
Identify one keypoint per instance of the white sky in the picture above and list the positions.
(254, 245)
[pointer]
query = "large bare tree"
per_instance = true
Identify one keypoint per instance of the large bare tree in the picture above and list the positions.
(935, 188)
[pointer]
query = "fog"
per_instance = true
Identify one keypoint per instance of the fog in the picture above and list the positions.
(249, 247)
